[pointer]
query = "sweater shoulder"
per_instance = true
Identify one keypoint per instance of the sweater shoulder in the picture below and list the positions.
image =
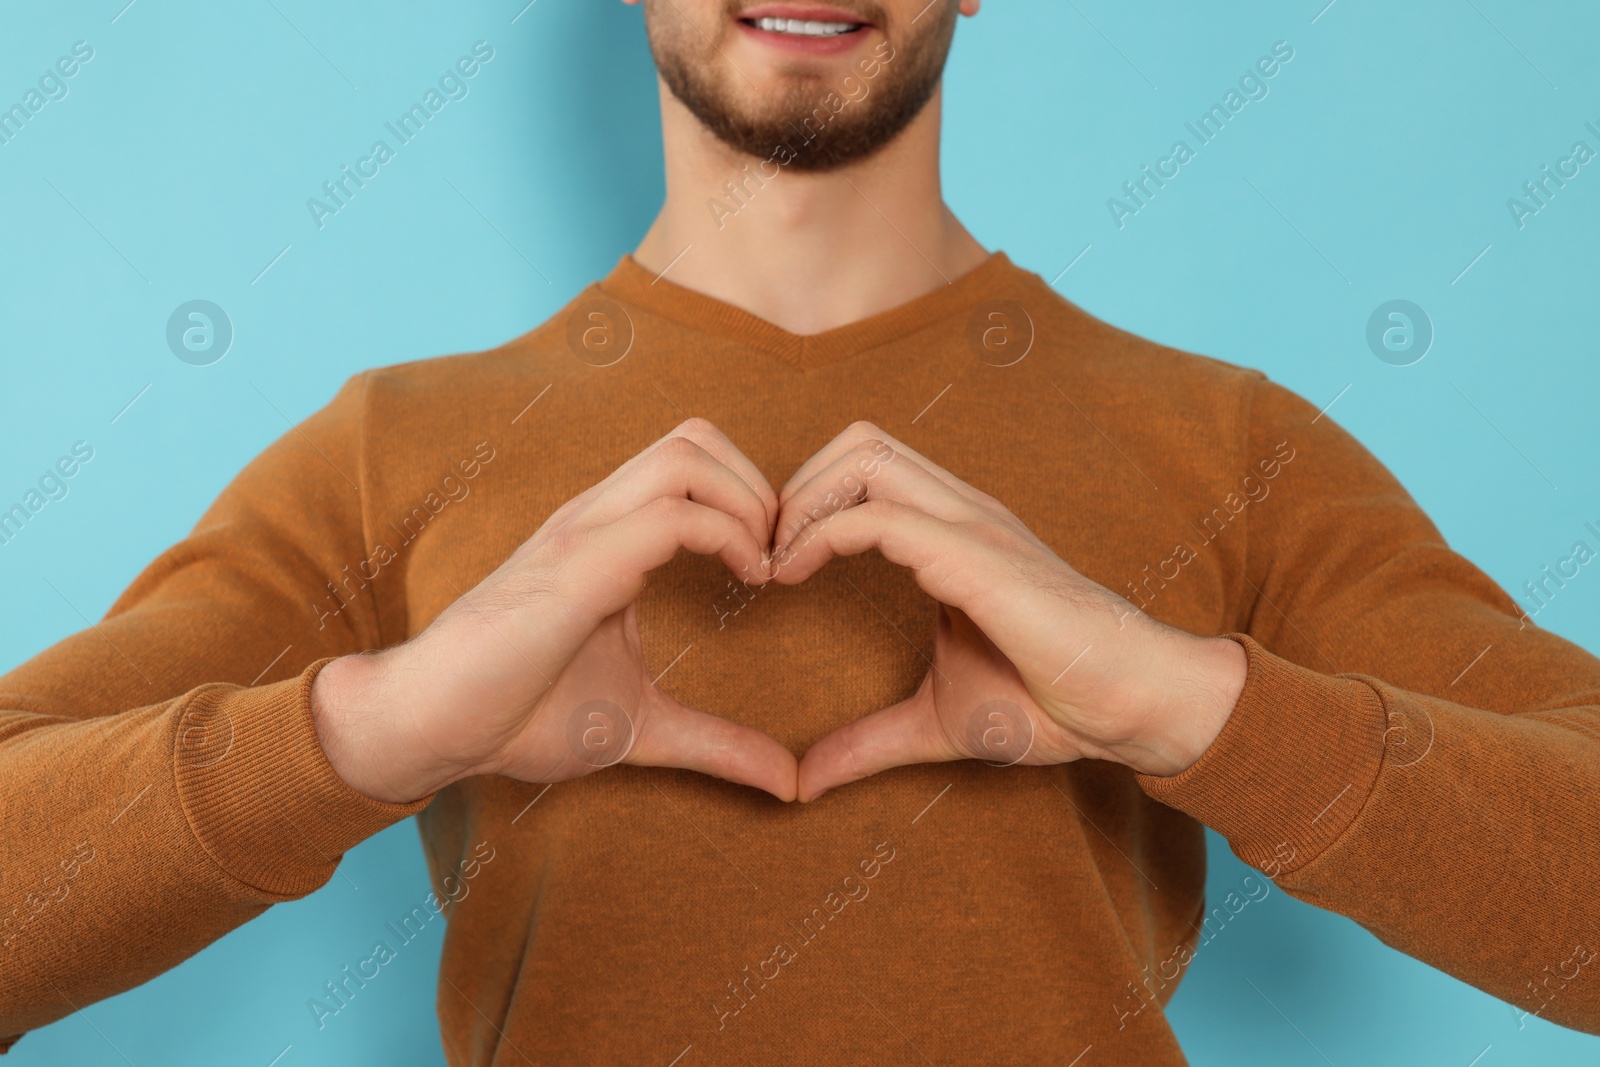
(421, 416)
(1070, 335)
(1137, 387)
(473, 391)
(540, 351)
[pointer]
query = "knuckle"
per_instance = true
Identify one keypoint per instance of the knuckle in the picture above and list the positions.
(666, 507)
(678, 450)
(851, 758)
(872, 445)
(699, 426)
(986, 532)
(875, 451)
(721, 739)
(568, 511)
(564, 542)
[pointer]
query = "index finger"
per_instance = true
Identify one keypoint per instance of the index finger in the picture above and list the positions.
(854, 436)
(709, 437)
(713, 441)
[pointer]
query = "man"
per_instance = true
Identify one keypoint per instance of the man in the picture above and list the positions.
(1033, 599)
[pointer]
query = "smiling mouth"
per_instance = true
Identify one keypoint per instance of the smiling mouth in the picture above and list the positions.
(804, 28)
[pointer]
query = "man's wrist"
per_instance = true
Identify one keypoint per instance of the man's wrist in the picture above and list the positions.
(353, 707)
(1221, 683)
(1201, 685)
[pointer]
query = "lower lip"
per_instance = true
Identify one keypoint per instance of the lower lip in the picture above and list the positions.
(806, 46)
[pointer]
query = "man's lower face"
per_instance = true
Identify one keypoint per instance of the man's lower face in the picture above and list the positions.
(834, 82)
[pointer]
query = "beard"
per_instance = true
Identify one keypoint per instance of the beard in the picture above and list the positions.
(873, 112)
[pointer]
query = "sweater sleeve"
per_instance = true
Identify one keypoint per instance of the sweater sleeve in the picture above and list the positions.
(1410, 749)
(163, 778)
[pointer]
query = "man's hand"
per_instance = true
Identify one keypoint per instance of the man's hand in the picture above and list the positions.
(1033, 663)
(536, 673)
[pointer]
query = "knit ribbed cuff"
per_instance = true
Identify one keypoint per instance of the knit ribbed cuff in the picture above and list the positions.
(259, 792)
(1292, 767)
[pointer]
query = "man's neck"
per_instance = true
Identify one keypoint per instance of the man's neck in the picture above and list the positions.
(807, 252)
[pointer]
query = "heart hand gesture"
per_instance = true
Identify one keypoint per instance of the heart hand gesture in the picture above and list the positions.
(537, 672)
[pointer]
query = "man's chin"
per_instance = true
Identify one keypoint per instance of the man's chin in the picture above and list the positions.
(773, 78)
(822, 97)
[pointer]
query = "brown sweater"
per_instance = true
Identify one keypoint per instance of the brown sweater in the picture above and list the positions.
(1407, 751)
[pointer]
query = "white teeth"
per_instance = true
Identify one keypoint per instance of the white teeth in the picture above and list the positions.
(805, 29)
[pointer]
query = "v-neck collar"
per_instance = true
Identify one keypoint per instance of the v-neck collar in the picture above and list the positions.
(632, 283)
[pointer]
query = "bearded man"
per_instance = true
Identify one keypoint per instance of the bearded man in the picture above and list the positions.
(965, 613)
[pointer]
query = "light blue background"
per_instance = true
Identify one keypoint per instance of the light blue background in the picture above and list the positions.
(1380, 162)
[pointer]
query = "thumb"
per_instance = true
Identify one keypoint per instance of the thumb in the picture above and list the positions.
(670, 734)
(896, 736)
